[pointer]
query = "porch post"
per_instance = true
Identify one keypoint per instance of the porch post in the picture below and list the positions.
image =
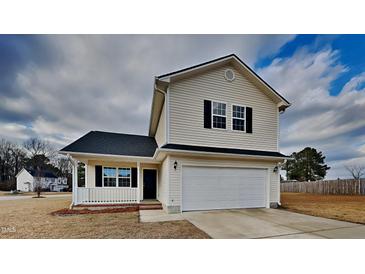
(74, 182)
(138, 182)
(86, 175)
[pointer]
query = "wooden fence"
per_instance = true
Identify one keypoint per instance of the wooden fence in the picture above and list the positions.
(334, 187)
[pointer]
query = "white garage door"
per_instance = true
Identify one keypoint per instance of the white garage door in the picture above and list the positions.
(205, 188)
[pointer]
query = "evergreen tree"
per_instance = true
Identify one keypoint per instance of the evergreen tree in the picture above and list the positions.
(306, 165)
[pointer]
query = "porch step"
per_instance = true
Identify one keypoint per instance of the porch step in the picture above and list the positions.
(150, 206)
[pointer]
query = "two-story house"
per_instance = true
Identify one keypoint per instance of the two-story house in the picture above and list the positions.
(213, 143)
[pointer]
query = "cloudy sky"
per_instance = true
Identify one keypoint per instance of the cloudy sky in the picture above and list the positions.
(60, 87)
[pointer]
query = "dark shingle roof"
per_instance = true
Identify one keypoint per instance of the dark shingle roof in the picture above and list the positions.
(43, 173)
(114, 143)
(224, 150)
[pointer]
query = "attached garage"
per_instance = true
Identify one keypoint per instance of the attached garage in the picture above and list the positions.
(205, 188)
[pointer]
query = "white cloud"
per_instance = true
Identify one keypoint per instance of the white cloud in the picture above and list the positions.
(105, 82)
(332, 124)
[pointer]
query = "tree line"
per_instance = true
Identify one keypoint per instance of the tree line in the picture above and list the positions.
(35, 154)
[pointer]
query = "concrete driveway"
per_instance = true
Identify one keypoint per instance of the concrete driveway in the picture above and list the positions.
(271, 223)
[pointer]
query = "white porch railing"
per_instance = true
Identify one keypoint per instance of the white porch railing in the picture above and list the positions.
(106, 195)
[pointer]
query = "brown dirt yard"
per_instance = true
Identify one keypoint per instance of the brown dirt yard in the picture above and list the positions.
(338, 207)
(31, 218)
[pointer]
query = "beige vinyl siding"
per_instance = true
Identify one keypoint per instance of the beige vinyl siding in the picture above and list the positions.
(90, 177)
(175, 176)
(160, 135)
(186, 116)
(163, 182)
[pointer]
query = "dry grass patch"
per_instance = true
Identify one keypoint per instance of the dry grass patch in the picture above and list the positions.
(339, 207)
(8, 193)
(31, 218)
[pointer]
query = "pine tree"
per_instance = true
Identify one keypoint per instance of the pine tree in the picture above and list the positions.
(306, 165)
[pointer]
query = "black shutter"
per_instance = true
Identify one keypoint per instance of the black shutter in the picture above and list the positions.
(207, 114)
(249, 120)
(134, 177)
(98, 176)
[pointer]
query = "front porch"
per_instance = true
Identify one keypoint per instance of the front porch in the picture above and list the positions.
(115, 182)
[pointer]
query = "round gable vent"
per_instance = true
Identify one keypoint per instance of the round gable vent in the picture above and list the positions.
(229, 75)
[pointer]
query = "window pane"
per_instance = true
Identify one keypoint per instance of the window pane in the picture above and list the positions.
(124, 182)
(219, 108)
(109, 171)
(238, 124)
(219, 122)
(238, 112)
(110, 182)
(124, 172)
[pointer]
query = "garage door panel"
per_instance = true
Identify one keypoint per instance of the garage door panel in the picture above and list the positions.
(221, 188)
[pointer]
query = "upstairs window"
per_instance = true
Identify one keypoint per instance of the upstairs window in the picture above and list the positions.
(219, 114)
(238, 118)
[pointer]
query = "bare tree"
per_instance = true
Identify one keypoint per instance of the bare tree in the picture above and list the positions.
(40, 153)
(64, 166)
(37, 146)
(38, 183)
(12, 160)
(357, 172)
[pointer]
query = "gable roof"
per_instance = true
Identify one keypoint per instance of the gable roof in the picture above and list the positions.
(219, 60)
(99, 142)
(44, 173)
(162, 81)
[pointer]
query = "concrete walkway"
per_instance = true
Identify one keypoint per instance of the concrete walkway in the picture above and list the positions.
(159, 215)
(271, 223)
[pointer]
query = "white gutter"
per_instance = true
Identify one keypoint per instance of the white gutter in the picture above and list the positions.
(218, 154)
(155, 88)
(106, 155)
(158, 150)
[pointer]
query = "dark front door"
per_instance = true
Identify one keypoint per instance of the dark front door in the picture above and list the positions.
(149, 184)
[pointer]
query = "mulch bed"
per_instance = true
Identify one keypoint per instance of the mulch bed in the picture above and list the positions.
(66, 211)
(104, 205)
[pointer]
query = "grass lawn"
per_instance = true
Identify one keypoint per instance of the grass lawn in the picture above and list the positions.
(339, 207)
(7, 193)
(31, 219)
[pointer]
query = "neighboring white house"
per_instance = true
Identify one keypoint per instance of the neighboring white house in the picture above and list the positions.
(25, 181)
(213, 143)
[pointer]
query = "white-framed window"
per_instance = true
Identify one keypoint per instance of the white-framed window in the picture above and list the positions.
(109, 177)
(117, 177)
(238, 118)
(124, 177)
(219, 115)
